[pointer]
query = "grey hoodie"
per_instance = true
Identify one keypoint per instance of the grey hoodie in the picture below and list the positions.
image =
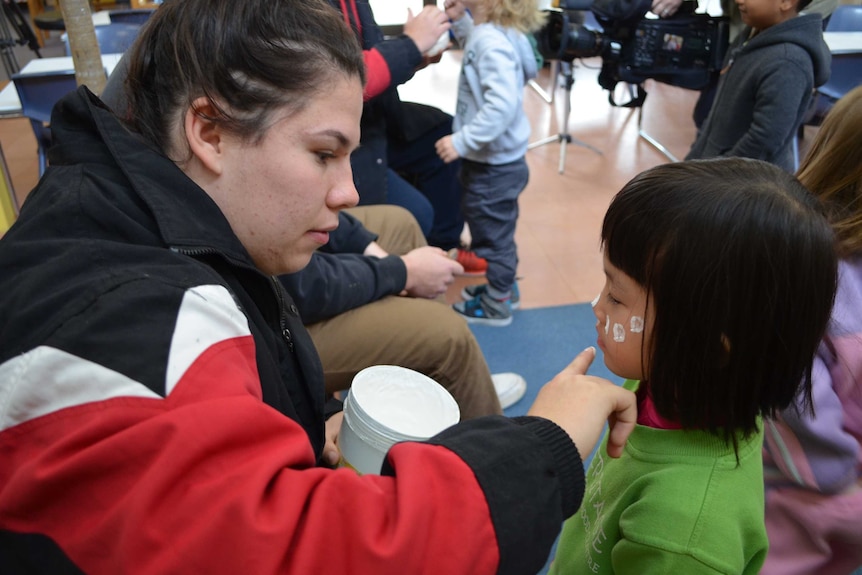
(764, 91)
(490, 125)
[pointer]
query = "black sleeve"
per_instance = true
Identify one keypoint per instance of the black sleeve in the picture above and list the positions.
(532, 476)
(335, 283)
(351, 236)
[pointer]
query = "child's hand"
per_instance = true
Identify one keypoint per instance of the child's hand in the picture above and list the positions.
(454, 9)
(581, 404)
(446, 150)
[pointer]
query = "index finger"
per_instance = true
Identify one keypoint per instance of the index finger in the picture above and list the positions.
(582, 362)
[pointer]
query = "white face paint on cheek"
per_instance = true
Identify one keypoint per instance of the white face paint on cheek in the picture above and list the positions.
(637, 324)
(595, 300)
(607, 324)
(619, 333)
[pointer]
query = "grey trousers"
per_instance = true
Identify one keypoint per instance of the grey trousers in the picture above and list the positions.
(423, 335)
(490, 201)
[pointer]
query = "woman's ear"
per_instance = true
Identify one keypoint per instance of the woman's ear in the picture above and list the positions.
(204, 135)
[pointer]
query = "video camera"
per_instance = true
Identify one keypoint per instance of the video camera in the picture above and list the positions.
(683, 50)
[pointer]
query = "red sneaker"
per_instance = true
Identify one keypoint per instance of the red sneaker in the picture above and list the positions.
(473, 265)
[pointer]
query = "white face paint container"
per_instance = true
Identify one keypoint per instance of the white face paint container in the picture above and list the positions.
(387, 404)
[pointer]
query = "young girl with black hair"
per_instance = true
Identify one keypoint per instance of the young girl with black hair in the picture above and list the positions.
(720, 277)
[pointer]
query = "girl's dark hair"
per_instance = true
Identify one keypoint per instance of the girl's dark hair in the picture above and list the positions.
(739, 265)
(249, 58)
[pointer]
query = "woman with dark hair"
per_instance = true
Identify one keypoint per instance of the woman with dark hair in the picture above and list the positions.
(161, 404)
(720, 278)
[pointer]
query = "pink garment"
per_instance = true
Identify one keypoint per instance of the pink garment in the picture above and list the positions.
(813, 464)
(648, 416)
(813, 534)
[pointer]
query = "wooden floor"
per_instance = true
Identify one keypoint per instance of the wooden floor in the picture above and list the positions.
(558, 228)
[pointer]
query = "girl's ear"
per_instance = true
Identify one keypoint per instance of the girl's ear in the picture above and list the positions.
(204, 135)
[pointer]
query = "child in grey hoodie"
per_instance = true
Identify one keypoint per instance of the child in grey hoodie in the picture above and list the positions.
(490, 134)
(769, 74)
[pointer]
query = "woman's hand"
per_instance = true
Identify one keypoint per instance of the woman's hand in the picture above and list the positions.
(331, 453)
(581, 404)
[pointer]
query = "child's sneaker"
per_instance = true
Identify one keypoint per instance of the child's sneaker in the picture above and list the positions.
(485, 309)
(469, 292)
(473, 265)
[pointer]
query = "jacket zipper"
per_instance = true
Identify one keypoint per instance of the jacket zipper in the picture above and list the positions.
(273, 281)
(279, 294)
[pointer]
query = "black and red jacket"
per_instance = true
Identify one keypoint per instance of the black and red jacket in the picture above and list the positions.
(161, 405)
(389, 62)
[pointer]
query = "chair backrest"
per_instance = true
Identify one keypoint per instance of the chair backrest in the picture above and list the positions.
(39, 92)
(136, 16)
(113, 38)
(845, 18)
(846, 75)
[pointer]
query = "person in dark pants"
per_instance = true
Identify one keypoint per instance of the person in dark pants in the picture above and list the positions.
(396, 162)
(163, 406)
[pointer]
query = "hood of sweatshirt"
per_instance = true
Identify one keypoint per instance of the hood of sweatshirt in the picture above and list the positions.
(524, 51)
(806, 31)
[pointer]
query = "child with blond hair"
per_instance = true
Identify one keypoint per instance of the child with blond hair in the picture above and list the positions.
(490, 134)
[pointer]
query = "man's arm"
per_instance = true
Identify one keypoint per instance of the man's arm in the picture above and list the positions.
(332, 284)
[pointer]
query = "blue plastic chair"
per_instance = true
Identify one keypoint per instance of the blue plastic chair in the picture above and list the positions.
(137, 16)
(845, 18)
(846, 72)
(113, 38)
(38, 94)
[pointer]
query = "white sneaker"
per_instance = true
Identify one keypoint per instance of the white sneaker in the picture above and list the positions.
(510, 387)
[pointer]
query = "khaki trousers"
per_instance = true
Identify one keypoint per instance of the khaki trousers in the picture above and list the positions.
(423, 335)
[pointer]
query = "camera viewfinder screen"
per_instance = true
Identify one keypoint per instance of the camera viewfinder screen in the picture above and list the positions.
(672, 42)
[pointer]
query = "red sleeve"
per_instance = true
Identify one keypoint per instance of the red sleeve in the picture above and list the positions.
(209, 479)
(377, 72)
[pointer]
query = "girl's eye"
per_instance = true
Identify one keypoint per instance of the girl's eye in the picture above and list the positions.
(324, 157)
(612, 300)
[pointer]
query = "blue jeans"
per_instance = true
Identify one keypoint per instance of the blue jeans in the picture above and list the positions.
(400, 192)
(424, 181)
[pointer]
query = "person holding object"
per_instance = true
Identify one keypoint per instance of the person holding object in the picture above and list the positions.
(490, 135)
(730, 9)
(342, 297)
(348, 297)
(396, 163)
(162, 404)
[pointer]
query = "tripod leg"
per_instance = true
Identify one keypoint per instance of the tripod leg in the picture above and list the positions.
(562, 166)
(652, 141)
(567, 108)
(564, 138)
